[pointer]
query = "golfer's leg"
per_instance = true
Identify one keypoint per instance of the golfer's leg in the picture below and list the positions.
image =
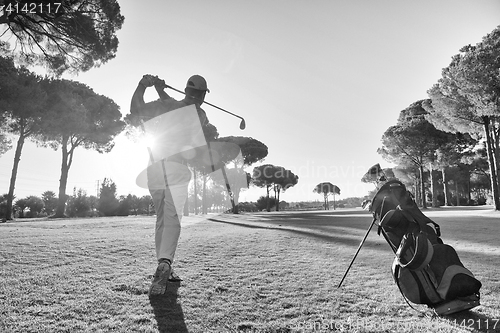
(175, 198)
(162, 273)
(179, 194)
(159, 203)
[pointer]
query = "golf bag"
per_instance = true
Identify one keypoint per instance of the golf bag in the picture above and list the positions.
(426, 270)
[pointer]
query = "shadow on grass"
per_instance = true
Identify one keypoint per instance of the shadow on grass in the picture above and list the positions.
(474, 322)
(168, 312)
(324, 235)
(335, 227)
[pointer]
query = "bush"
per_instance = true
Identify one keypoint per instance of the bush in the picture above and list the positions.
(108, 204)
(50, 201)
(247, 207)
(78, 205)
(262, 203)
(3, 205)
(35, 205)
(124, 206)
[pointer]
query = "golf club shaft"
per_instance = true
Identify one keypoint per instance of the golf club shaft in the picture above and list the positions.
(215, 106)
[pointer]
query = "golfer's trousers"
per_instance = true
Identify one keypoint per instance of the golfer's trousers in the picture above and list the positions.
(169, 207)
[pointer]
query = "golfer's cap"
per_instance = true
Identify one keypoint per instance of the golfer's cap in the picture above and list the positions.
(197, 82)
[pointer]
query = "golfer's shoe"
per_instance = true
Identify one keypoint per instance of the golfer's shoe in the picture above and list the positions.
(160, 279)
(174, 277)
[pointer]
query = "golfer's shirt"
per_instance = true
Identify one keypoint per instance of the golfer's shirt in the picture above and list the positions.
(161, 106)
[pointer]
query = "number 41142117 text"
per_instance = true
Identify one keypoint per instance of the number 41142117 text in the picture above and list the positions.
(31, 8)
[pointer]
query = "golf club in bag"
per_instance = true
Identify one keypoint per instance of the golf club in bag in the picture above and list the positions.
(426, 270)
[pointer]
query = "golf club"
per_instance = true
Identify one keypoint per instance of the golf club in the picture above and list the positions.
(242, 124)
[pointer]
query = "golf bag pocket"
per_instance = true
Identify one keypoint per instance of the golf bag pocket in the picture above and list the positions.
(431, 274)
(454, 280)
(416, 286)
(397, 223)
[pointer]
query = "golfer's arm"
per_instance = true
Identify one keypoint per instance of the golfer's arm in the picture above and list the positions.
(161, 92)
(137, 99)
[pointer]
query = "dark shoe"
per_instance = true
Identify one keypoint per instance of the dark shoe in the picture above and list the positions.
(174, 277)
(160, 279)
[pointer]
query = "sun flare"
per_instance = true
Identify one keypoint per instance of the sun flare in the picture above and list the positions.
(147, 141)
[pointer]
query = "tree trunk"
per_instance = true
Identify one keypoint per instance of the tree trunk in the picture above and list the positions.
(17, 159)
(333, 200)
(457, 193)
(204, 196)
(422, 186)
(468, 189)
(237, 190)
(236, 209)
(268, 203)
(63, 181)
(495, 142)
(195, 193)
(325, 198)
(236, 198)
(445, 188)
(186, 208)
(417, 190)
(433, 186)
(491, 163)
(278, 199)
(275, 188)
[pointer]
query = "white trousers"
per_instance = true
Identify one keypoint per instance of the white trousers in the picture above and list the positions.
(169, 207)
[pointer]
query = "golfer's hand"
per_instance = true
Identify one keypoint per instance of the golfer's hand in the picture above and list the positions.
(159, 83)
(148, 80)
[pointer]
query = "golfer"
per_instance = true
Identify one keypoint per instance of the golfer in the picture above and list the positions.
(168, 200)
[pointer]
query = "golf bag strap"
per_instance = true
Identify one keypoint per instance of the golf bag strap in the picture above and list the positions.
(420, 256)
(420, 223)
(396, 273)
(381, 217)
(437, 227)
(409, 216)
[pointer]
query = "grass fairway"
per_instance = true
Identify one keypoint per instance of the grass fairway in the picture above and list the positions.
(266, 272)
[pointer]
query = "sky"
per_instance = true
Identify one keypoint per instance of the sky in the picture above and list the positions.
(318, 82)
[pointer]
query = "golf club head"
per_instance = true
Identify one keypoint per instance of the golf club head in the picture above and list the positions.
(242, 124)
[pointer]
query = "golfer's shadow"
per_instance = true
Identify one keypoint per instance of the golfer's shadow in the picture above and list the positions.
(168, 312)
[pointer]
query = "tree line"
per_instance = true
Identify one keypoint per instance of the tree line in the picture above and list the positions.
(76, 37)
(447, 147)
(56, 113)
(80, 204)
